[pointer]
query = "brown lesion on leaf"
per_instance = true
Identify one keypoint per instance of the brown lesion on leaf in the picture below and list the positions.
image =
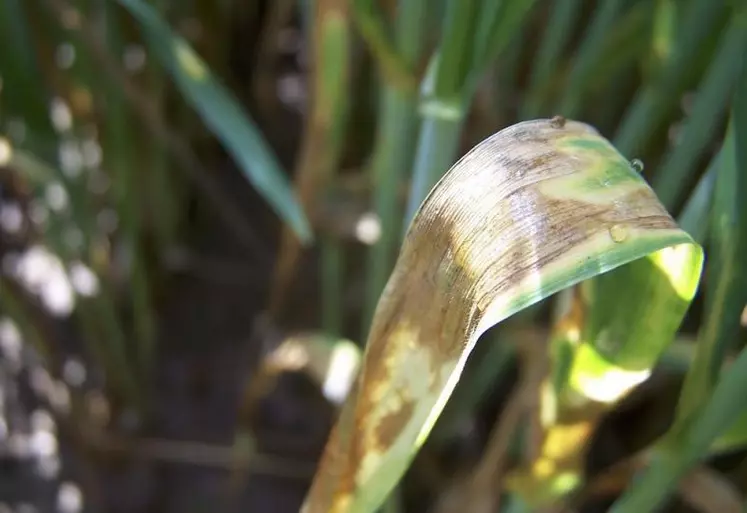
(557, 121)
(392, 425)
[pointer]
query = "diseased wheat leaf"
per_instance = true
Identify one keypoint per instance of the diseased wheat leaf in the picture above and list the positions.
(535, 208)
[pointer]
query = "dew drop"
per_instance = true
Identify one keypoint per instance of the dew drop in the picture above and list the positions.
(637, 164)
(619, 233)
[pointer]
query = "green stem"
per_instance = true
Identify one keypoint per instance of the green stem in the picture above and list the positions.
(393, 152)
(687, 443)
(472, 37)
(162, 192)
(560, 23)
(710, 103)
(727, 287)
(695, 216)
(391, 60)
(97, 316)
(22, 91)
(588, 54)
(499, 24)
(331, 110)
(456, 49)
(651, 105)
(118, 145)
(437, 148)
(391, 161)
(663, 33)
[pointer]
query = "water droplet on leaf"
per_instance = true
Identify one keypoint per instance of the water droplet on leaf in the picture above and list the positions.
(637, 164)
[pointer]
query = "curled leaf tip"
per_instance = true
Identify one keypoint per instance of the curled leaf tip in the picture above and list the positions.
(533, 209)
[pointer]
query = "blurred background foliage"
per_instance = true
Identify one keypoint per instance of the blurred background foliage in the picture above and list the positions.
(201, 202)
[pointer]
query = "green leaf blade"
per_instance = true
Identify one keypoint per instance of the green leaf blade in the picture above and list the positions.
(711, 409)
(222, 113)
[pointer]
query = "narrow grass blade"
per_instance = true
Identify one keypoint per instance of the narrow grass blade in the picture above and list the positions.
(456, 48)
(444, 102)
(448, 88)
(97, 315)
(33, 170)
(156, 127)
(726, 296)
(652, 104)
(696, 214)
(390, 163)
(733, 439)
(223, 114)
(615, 54)
(23, 92)
(710, 405)
(589, 53)
(393, 151)
(120, 138)
(561, 21)
(373, 28)
(163, 191)
(332, 112)
(498, 25)
(80, 103)
(321, 153)
(663, 35)
(437, 147)
(596, 74)
(710, 103)
(683, 447)
(534, 209)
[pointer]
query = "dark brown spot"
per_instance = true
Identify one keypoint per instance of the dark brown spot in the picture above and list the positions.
(392, 425)
(557, 121)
